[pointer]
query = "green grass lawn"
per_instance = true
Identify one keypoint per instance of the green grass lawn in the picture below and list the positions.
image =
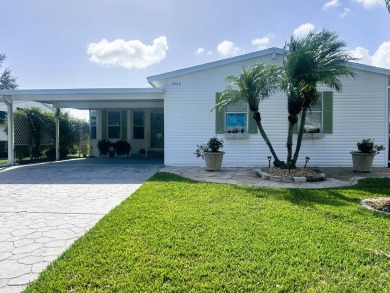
(3, 160)
(177, 235)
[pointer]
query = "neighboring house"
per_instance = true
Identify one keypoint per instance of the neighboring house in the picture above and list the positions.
(175, 116)
(16, 105)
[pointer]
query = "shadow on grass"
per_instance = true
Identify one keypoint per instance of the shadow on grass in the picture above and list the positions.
(337, 197)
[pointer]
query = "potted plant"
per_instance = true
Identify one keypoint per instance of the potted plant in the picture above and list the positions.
(362, 159)
(104, 146)
(211, 153)
(122, 147)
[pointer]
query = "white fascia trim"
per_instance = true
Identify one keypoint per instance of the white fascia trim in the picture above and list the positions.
(82, 91)
(369, 68)
(222, 62)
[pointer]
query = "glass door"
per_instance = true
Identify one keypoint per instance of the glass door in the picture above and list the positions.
(157, 130)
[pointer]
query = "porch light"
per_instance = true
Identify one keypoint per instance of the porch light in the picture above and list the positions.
(269, 161)
(307, 159)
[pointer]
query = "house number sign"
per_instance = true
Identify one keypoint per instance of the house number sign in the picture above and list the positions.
(175, 83)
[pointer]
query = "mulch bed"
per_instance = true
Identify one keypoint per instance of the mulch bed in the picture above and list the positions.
(298, 172)
(380, 203)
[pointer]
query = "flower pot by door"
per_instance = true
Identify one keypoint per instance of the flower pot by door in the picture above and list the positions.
(213, 160)
(362, 162)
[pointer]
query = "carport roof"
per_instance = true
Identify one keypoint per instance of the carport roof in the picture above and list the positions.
(90, 98)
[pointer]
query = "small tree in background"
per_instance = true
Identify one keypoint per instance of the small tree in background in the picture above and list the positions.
(7, 81)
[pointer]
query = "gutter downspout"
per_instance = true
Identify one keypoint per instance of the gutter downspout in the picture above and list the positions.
(10, 114)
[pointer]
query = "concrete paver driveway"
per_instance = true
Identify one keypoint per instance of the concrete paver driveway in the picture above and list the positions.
(45, 208)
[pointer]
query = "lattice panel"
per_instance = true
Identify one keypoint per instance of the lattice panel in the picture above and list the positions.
(21, 131)
(47, 138)
(23, 136)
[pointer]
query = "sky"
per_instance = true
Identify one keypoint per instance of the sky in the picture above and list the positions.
(118, 43)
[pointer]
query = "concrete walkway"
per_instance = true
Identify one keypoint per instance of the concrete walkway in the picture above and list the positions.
(45, 208)
(336, 177)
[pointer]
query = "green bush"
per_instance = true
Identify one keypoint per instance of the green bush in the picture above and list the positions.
(122, 147)
(3, 149)
(104, 146)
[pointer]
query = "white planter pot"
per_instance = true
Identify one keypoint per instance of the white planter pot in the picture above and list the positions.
(362, 162)
(213, 160)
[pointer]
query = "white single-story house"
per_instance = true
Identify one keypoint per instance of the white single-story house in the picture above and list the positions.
(174, 115)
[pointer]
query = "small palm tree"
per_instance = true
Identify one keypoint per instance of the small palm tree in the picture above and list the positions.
(317, 58)
(253, 85)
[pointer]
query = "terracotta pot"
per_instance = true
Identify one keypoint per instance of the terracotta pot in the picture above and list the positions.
(213, 160)
(362, 162)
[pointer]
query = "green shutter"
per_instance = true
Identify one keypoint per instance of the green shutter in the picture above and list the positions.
(124, 124)
(327, 108)
(252, 126)
(104, 124)
(219, 118)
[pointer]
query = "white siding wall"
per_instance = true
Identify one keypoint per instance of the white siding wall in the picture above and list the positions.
(359, 112)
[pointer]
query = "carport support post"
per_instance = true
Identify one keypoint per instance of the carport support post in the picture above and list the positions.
(10, 114)
(58, 134)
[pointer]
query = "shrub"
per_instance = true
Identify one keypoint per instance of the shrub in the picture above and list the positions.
(104, 146)
(122, 147)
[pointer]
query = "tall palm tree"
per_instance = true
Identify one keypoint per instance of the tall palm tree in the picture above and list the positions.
(317, 58)
(253, 85)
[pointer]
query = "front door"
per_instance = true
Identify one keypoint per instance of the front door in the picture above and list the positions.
(157, 131)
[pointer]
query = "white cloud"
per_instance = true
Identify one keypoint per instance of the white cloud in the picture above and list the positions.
(331, 4)
(209, 53)
(303, 30)
(381, 57)
(227, 48)
(370, 3)
(128, 54)
(345, 13)
(261, 43)
(200, 51)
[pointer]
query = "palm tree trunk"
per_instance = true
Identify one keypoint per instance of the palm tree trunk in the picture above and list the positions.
(300, 135)
(277, 162)
(289, 141)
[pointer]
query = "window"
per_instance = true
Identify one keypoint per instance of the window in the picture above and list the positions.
(236, 117)
(92, 123)
(320, 118)
(138, 125)
(314, 123)
(114, 124)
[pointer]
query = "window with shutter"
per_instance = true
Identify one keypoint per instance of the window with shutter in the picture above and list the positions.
(319, 119)
(234, 118)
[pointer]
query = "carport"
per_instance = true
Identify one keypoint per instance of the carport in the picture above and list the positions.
(82, 99)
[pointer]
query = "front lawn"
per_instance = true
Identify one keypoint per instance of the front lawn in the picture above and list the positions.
(177, 235)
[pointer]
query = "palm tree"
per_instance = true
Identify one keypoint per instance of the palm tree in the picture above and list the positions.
(253, 85)
(387, 2)
(317, 58)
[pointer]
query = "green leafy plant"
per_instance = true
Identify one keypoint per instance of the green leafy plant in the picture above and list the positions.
(122, 147)
(213, 145)
(104, 146)
(368, 146)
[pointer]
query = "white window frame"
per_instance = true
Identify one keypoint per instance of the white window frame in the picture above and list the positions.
(237, 112)
(113, 125)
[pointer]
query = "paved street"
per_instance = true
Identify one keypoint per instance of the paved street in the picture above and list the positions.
(45, 208)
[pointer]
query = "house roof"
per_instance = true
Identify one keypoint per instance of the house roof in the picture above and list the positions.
(155, 79)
